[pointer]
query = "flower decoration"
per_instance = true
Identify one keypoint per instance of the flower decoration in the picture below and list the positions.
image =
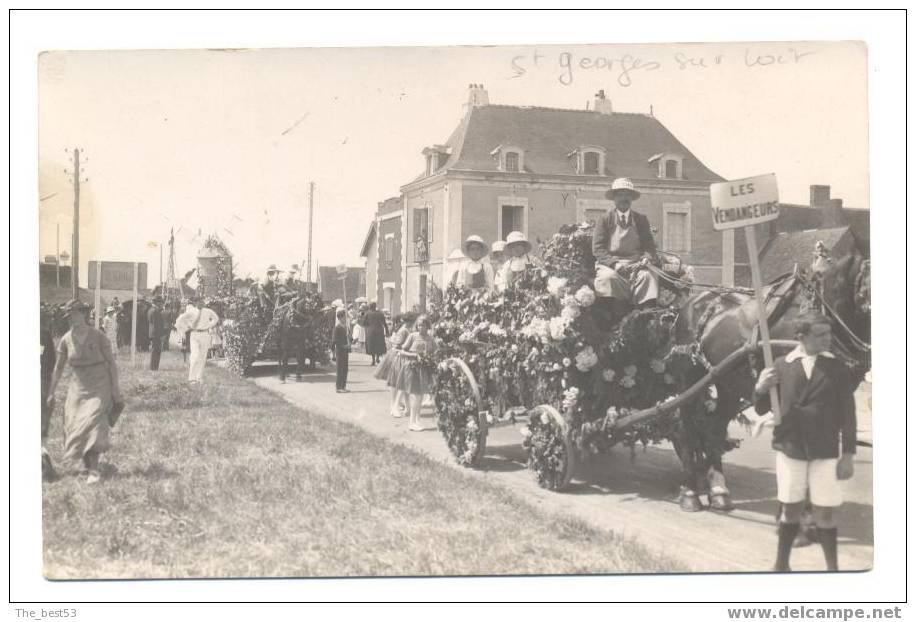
(585, 296)
(586, 359)
(556, 285)
(608, 375)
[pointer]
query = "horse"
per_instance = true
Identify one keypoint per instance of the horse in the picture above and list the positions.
(291, 336)
(722, 321)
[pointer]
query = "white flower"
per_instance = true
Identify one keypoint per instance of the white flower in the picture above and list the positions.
(497, 331)
(629, 371)
(556, 367)
(472, 424)
(657, 366)
(555, 285)
(688, 274)
(558, 326)
(570, 397)
(483, 326)
(585, 296)
(609, 375)
(713, 392)
(566, 362)
(628, 382)
(669, 379)
(569, 301)
(570, 313)
(586, 359)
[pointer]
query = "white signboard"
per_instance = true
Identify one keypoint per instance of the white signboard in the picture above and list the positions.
(744, 202)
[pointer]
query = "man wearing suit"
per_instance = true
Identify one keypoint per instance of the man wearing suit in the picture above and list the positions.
(818, 417)
(623, 246)
(154, 320)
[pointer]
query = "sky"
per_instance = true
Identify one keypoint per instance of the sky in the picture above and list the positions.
(226, 142)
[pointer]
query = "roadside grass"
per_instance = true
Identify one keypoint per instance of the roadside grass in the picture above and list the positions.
(229, 480)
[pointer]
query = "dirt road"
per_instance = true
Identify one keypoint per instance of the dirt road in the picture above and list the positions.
(629, 494)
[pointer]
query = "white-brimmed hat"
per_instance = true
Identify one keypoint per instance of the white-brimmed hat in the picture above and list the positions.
(499, 246)
(622, 184)
(517, 237)
(272, 268)
(475, 239)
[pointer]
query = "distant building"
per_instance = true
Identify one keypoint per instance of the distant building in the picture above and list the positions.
(790, 239)
(534, 169)
(331, 286)
(383, 252)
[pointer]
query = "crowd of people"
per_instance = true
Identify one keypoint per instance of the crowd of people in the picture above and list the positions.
(814, 439)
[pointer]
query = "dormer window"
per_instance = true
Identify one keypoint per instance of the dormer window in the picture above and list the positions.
(509, 159)
(436, 157)
(669, 165)
(590, 160)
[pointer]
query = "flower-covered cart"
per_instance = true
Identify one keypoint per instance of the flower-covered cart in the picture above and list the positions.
(545, 355)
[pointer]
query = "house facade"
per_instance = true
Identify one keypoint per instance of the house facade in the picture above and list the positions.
(532, 169)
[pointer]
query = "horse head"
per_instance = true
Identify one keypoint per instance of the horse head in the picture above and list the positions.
(845, 286)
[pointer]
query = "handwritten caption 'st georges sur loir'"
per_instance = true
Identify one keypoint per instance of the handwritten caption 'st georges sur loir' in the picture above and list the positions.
(626, 67)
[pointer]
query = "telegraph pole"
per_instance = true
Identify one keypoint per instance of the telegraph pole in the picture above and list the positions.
(75, 251)
(58, 254)
(308, 262)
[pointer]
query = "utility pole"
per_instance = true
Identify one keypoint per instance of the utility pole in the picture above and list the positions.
(75, 252)
(58, 254)
(308, 261)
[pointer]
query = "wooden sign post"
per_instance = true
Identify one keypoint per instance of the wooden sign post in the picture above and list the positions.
(747, 203)
(133, 321)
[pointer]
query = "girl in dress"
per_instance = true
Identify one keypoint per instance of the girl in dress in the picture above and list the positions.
(415, 379)
(94, 389)
(518, 259)
(474, 273)
(390, 366)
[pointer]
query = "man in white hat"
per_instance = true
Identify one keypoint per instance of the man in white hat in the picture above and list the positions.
(269, 286)
(623, 246)
(518, 259)
(474, 273)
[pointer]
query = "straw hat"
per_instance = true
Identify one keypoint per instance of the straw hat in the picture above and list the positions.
(517, 237)
(499, 246)
(622, 184)
(474, 239)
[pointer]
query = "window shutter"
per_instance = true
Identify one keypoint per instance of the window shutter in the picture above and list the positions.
(429, 223)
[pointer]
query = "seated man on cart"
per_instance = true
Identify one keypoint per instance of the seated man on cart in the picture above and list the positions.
(623, 247)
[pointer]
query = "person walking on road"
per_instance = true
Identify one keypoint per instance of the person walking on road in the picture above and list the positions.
(94, 395)
(391, 364)
(818, 418)
(198, 323)
(415, 378)
(340, 338)
(376, 333)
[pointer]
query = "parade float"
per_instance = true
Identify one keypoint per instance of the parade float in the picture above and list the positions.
(541, 355)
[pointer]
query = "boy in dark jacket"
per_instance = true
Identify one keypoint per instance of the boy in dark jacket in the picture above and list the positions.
(340, 340)
(818, 417)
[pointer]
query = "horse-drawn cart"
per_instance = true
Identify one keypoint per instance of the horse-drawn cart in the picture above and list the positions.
(543, 354)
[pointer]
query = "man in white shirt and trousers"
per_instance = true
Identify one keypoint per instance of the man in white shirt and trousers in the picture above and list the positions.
(199, 322)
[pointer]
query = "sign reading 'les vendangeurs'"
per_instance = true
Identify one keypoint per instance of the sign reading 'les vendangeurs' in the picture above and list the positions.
(744, 202)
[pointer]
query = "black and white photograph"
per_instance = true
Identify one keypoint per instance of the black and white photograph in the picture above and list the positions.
(510, 310)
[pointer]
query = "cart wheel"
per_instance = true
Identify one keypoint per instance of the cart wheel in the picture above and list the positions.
(464, 429)
(551, 452)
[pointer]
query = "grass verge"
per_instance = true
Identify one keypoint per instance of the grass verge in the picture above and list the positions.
(229, 480)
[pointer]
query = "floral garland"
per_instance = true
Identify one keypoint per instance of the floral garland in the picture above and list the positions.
(247, 324)
(540, 342)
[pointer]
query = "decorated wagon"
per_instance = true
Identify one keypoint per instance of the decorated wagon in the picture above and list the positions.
(544, 355)
(253, 331)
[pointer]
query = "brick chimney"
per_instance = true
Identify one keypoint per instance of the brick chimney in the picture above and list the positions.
(832, 214)
(819, 196)
(602, 103)
(477, 96)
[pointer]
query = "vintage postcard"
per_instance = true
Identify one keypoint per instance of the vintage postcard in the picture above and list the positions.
(439, 311)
